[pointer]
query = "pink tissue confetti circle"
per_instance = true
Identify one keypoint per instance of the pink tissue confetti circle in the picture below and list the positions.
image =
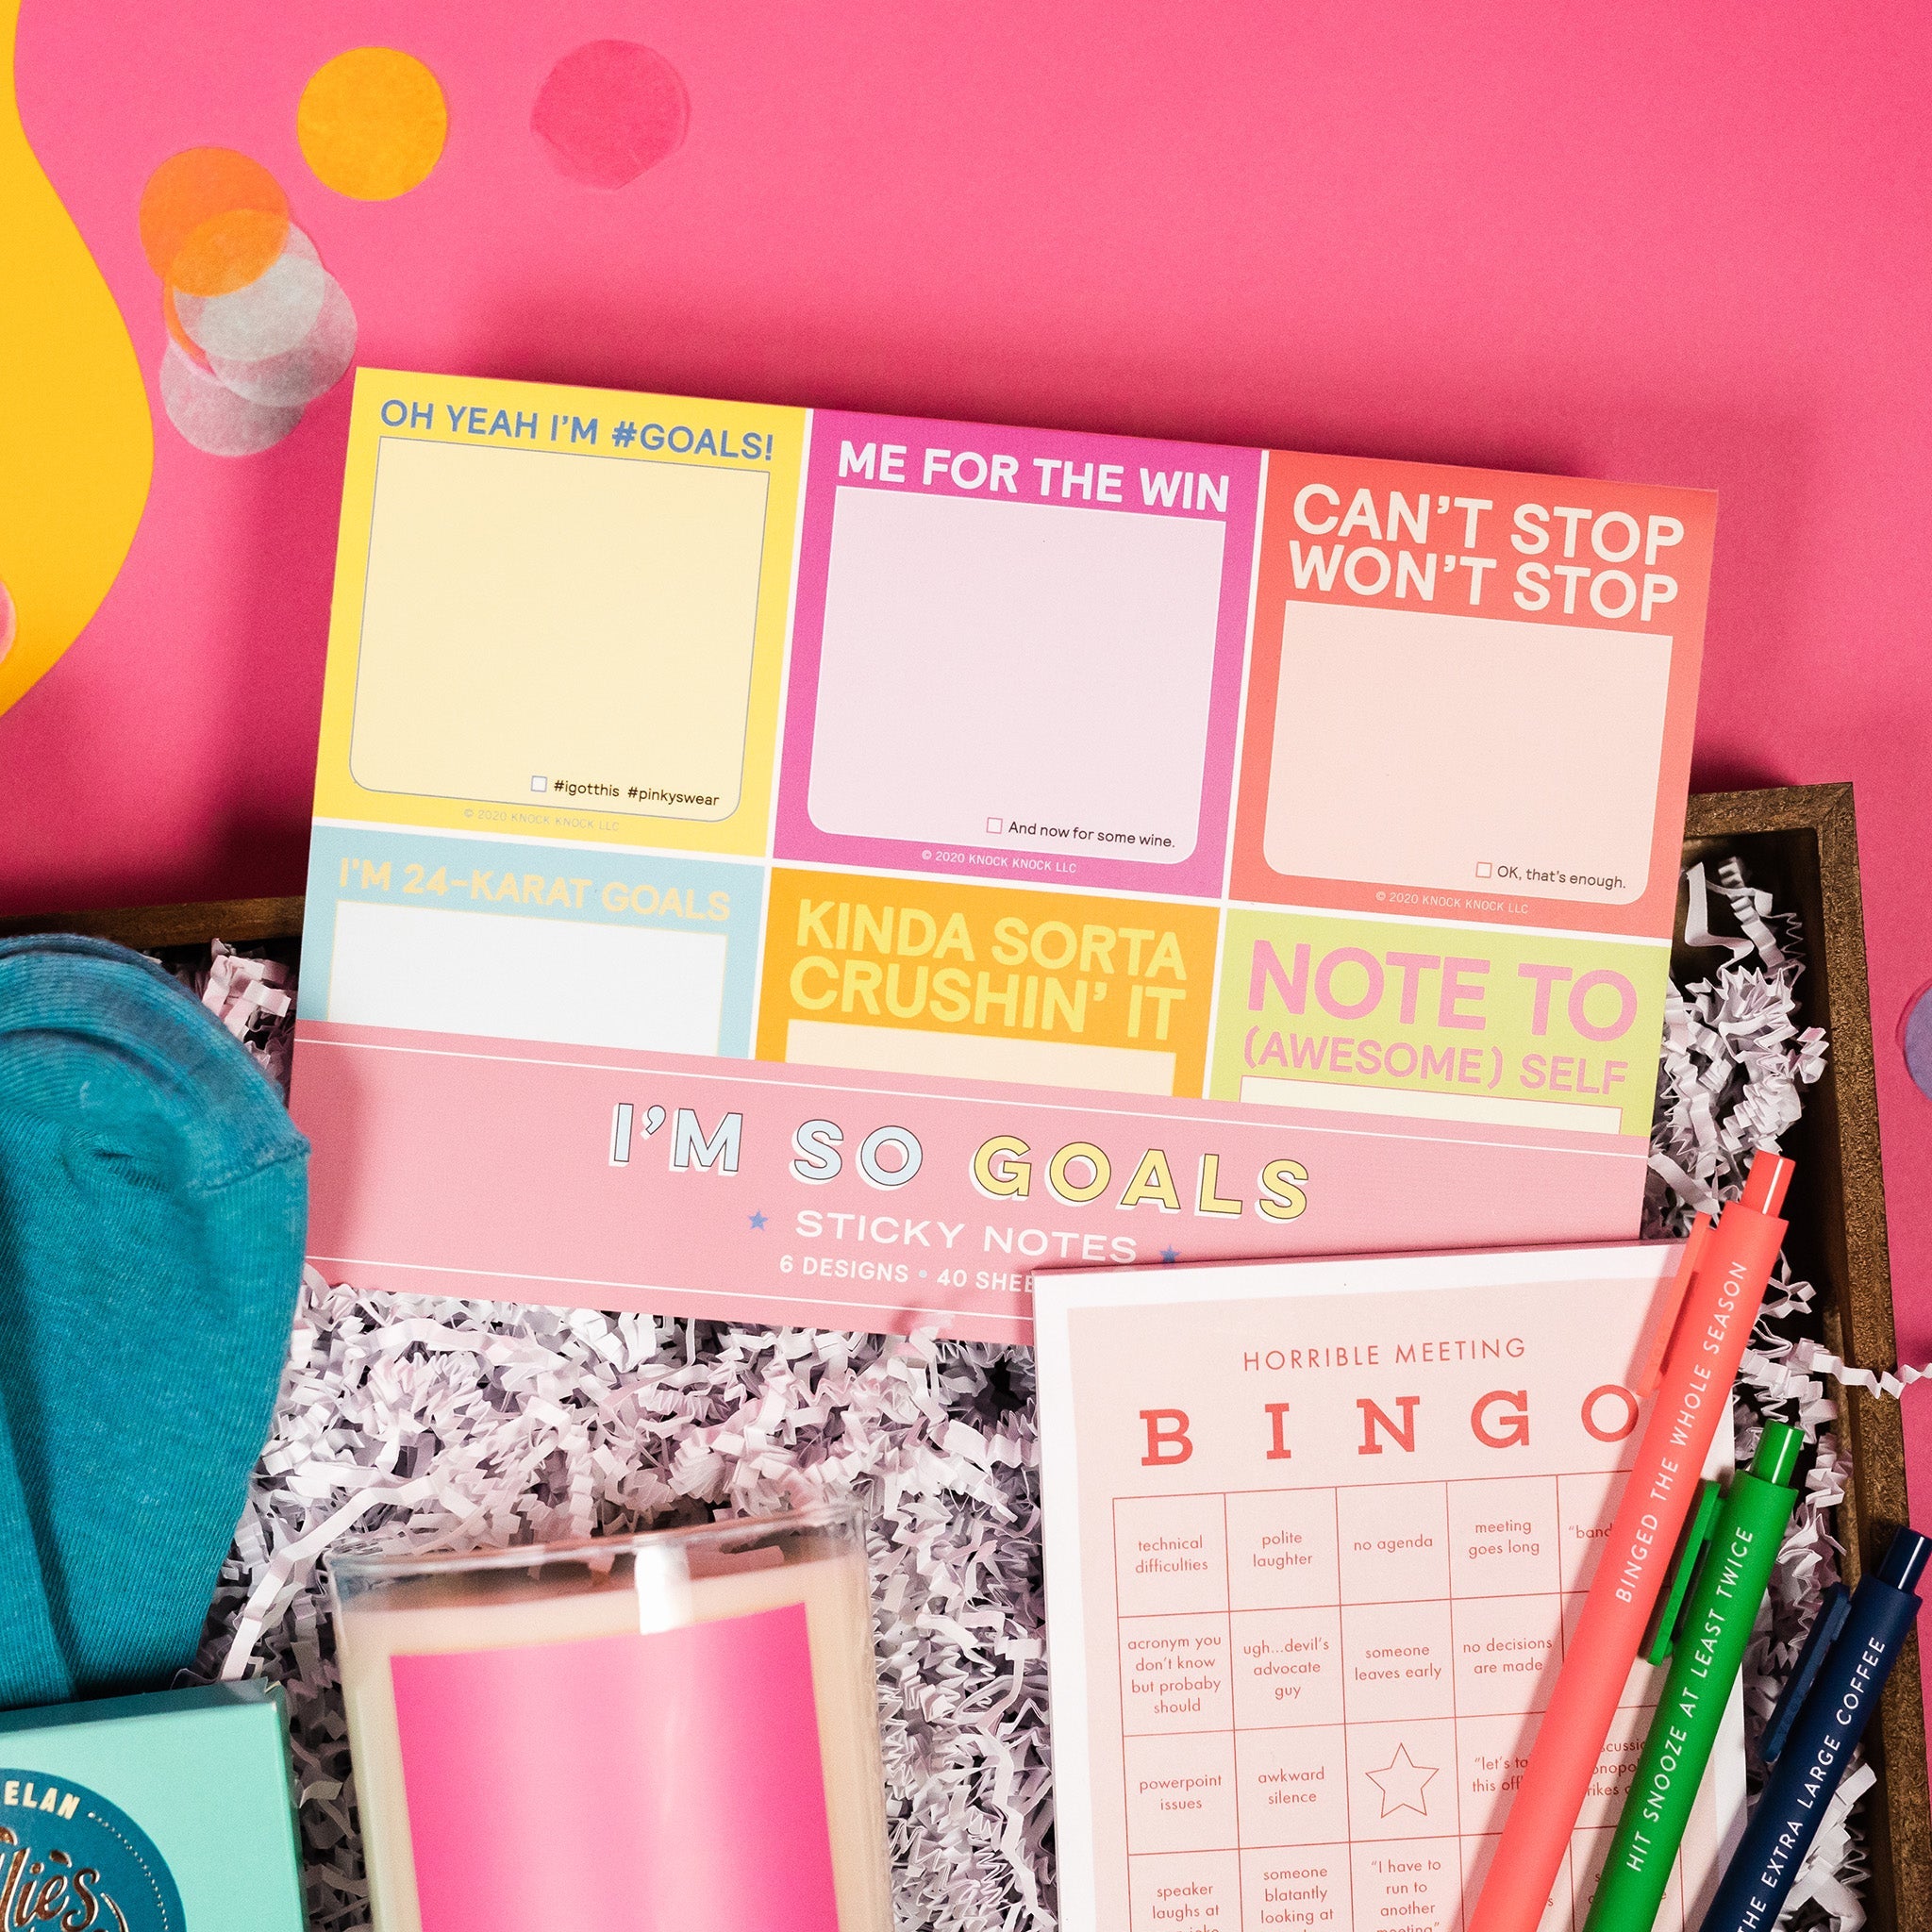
(10, 621)
(1915, 1039)
(608, 110)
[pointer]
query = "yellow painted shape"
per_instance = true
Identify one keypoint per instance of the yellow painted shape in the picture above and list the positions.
(77, 443)
(372, 123)
(518, 596)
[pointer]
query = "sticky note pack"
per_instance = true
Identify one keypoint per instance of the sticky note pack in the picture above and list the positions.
(1276, 796)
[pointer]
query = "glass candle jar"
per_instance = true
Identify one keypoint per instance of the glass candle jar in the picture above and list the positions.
(674, 1730)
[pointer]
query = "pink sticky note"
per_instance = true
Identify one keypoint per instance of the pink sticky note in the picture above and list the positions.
(667, 1783)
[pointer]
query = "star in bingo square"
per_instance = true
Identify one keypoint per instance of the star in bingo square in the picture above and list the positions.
(1404, 1783)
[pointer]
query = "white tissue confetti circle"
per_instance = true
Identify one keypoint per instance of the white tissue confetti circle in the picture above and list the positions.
(215, 420)
(269, 316)
(295, 378)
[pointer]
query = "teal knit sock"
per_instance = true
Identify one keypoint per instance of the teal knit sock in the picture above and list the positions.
(153, 1203)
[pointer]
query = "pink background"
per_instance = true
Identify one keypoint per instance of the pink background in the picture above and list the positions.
(1688, 246)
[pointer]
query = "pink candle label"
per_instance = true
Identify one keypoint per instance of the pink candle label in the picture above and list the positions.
(670, 1782)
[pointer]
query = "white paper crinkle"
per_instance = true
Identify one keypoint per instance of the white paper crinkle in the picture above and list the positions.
(254, 999)
(466, 1425)
(1734, 1058)
(1836, 1867)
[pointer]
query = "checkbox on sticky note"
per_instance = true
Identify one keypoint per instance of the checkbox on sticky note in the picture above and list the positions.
(996, 824)
(539, 784)
(1482, 871)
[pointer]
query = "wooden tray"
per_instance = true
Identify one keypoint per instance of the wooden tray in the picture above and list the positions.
(1801, 842)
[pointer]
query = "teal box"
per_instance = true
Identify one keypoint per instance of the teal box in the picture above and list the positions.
(163, 1813)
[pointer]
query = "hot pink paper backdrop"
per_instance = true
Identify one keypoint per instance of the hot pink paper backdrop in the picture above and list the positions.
(1675, 244)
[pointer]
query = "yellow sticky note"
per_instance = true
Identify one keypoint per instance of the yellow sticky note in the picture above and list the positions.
(559, 612)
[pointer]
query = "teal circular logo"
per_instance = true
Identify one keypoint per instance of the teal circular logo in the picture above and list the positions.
(67, 1857)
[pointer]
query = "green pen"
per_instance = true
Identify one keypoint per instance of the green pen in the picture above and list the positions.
(1738, 1542)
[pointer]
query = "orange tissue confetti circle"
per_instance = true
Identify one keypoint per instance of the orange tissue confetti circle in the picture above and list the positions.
(372, 123)
(212, 220)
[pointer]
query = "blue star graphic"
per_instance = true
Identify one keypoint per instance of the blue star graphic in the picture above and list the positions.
(757, 1221)
(1170, 1254)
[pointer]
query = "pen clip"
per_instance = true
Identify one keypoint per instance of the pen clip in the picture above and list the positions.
(1651, 1374)
(1667, 1616)
(1829, 1621)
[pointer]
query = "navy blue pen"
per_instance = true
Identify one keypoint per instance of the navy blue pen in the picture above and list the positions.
(1832, 1694)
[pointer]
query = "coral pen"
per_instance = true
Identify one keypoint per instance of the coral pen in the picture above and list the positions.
(1719, 1286)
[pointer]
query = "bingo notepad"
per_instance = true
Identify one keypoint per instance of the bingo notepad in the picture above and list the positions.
(1311, 1577)
(1242, 801)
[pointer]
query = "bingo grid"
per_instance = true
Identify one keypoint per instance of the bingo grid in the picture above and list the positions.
(1324, 1696)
